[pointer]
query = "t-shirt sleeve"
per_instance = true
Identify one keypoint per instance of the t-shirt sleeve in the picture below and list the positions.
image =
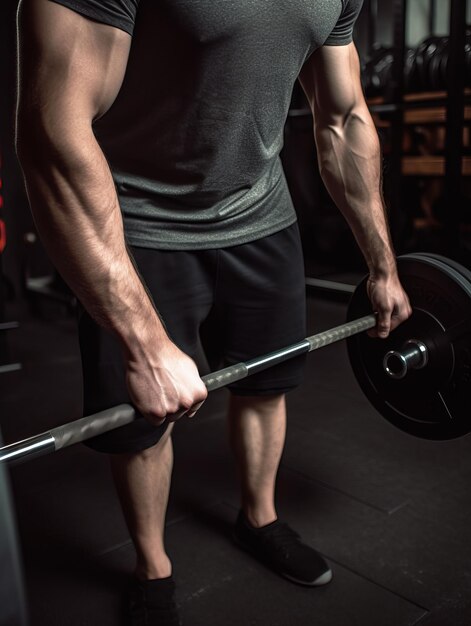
(342, 33)
(118, 13)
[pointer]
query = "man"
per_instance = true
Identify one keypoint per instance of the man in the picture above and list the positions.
(170, 115)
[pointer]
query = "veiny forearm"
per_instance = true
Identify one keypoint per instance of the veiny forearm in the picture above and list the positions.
(76, 210)
(350, 165)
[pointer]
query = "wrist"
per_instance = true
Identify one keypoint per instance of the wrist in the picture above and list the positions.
(383, 271)
(134, 319)
(380, 257)
(383, 274)
(142, 336)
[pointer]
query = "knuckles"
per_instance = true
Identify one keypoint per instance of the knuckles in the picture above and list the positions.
(164, 396)
(174, 408)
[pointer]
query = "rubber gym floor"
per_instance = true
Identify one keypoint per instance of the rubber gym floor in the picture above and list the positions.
(390, 512)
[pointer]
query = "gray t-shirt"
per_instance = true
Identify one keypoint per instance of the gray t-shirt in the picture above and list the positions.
(194, 136)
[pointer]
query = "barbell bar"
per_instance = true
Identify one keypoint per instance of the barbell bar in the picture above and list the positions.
(92, 425)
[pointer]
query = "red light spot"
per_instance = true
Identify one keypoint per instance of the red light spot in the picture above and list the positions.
(3, 236)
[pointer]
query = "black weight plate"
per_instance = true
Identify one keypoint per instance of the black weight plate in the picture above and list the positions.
(433, 402)
(422, 57)
(410, 70)
(467, 52)
(419, 68)
(437, 64)
(433, 55)
(443, 70)
(460, 269)
(376, 72)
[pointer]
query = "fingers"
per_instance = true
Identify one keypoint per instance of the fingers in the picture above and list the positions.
(191, 412)
(186, 403)
(194, 409)
(389, 318)
(400, 316)
(192, 394)
(391, 304)
(383, 324)
(167, 388)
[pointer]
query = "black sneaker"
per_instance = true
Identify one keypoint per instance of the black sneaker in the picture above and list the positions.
(280, 548)
(152, 603)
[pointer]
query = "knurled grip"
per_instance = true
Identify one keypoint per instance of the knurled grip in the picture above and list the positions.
(92, 425)
(226, 376)
(341, 332)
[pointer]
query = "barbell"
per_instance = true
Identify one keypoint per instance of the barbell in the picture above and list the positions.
(418, 379)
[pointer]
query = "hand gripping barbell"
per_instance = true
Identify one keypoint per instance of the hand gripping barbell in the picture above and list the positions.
(418, 378)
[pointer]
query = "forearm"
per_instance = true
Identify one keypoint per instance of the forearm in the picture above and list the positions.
(71, 69)
(76, 210)
(350, 165)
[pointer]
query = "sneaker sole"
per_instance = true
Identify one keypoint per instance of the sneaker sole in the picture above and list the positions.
(323, 579)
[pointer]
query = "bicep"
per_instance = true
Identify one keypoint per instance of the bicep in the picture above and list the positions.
(331, 80)
(70, 67)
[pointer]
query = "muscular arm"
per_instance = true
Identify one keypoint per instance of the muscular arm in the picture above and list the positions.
(350, 165)
(71, 69)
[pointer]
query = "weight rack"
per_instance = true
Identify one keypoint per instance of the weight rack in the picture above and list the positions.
(455, 101)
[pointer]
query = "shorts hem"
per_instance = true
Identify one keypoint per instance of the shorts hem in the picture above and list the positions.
(266, 391)
(127, 447)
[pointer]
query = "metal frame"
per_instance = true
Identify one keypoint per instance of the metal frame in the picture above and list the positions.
(397, 121)
(455, 120)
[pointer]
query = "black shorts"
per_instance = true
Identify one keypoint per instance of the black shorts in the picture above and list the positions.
(227, 305)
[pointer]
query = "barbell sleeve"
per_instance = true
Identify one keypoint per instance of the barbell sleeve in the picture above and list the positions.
(412, 355)
(109, 419)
